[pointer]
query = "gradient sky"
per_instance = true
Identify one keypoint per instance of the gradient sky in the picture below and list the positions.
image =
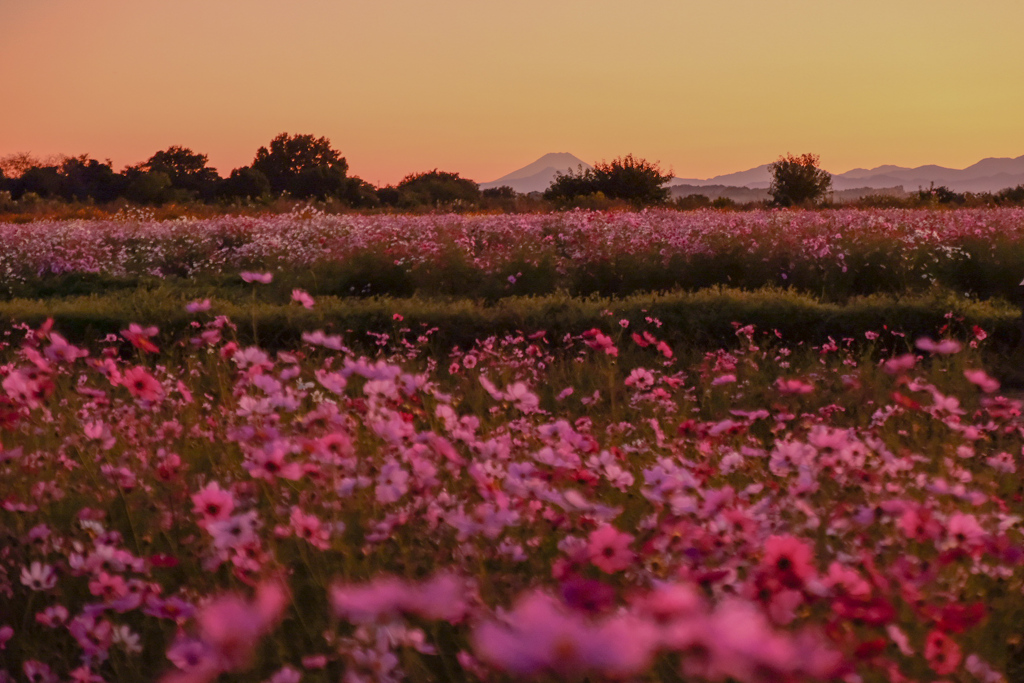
(483, 87)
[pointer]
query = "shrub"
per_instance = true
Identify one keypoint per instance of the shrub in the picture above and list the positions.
(797, 180)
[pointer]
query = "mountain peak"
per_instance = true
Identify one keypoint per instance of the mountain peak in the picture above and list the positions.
(537, 176)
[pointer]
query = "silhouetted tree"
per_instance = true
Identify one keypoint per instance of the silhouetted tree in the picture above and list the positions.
(148, 187)
(244, 183)
(502, 192)
(14, 165)
(637, 181)
(288, 156)
(798, 180)
(1010, 195)
(186, 169)
(438, 188)
(360, 194)
(389, 195)
(85, 178)
(44, 181)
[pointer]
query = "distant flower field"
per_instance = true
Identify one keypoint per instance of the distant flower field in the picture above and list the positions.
(834, 254)
(590, 496)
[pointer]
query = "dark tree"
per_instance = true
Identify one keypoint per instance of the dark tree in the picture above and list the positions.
(244, 183)
(148, 187)
(44, 181)
(360, 194)
(85, 178)
(437, 189)
(389, 195)
(290, 155)
(502, 192)
(797, 180)
(572, 184)
(186, 169)
(637, 181)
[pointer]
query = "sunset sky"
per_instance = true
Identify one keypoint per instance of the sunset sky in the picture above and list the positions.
(483, 87)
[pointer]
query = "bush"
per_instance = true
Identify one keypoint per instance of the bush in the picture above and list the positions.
(797, 180)
(637, 181)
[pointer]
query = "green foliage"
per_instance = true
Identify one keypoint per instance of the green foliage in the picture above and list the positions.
(698, 320)
(797, 180)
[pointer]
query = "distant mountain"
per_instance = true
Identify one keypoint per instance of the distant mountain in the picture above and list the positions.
(536, 177)
(988, 175)
(755, 178)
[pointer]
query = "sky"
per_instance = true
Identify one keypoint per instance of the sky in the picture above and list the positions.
(483, 87)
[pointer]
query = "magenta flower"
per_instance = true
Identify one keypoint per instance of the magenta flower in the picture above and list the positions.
(139, 337)
(142, 385)
(608, 549)
(981, 378)
(198, 306)
(540, 636)
(213, 503)
(264, 278)
(942, 653)
(944, 347)
(302, 297)
(789, 559)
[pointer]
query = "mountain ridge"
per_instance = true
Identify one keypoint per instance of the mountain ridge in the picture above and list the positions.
(990, 174)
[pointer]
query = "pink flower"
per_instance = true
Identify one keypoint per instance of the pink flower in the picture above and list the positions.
(944, 347)
(942, 652)
(142, 385)
(310, 528)
(442, 597)
(230, 627)
(139, 337)
(264, 278)
(788, 559)
(213, 503)
(899, 364)
(269, 462)
(608, 549)
(60, 350)
(6, 633)
(540, 636)
(981, 378)
(599, 341)
(793, 386)
(198, 306)
(964, 529)
(302, 297)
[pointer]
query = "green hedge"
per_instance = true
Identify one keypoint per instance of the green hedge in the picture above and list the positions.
(703, 319)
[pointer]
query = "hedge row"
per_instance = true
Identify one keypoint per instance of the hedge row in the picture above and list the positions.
(704, 319)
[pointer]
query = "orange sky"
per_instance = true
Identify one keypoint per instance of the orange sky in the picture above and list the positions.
(483, 87)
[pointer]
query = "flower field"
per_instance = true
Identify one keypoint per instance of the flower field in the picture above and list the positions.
(833, 254)
(602, 504)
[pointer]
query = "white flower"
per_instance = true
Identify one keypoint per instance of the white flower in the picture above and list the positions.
(38, 577)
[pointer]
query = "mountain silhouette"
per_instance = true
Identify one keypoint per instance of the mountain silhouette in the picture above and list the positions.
(536, 177)
(988, 175)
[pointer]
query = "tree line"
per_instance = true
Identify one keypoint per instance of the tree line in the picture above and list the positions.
(302, 167)
(306, 167)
